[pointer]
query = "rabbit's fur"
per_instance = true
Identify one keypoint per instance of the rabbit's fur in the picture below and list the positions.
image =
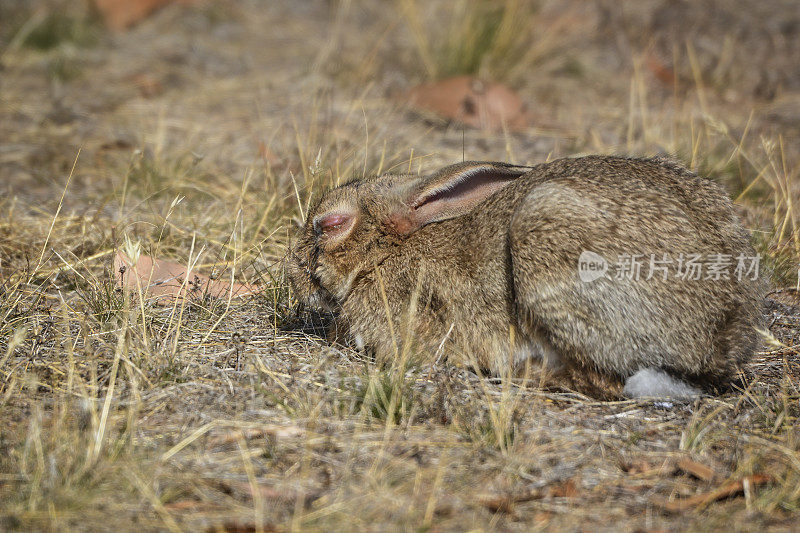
(479, 263)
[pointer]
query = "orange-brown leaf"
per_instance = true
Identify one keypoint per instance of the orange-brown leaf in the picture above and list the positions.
(168, 280)
(480, 104)
(121, 14)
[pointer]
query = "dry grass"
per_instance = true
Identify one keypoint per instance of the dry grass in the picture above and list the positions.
(202, 135)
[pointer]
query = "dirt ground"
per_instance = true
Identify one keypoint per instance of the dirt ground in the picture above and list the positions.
(202, 134)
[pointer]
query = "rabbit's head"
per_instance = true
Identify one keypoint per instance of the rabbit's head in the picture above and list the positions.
(358, 225)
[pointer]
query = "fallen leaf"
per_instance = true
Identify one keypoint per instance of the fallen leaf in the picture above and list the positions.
(168, 280)
(471, 101)
(148, 85)
(504, 503)
(730, 488)
(698, 470)
(121, 14)
(662, 73)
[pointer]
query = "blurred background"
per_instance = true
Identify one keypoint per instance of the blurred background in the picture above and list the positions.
(213, 100)
(256, 104)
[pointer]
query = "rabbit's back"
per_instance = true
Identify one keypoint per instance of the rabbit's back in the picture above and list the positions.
(633, 214)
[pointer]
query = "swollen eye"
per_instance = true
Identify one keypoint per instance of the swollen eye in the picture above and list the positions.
(332, 223)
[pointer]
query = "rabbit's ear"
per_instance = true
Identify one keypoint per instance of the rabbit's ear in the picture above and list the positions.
(455, 190)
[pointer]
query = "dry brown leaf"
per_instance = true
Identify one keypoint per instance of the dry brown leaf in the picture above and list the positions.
(149, 86)
(698, 470)
(730, 488)
(480, 104)
(504, 503)
(121, 14)
(168, 280)
(662, 73)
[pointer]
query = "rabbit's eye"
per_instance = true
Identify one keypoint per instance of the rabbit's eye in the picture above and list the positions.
(332, 223)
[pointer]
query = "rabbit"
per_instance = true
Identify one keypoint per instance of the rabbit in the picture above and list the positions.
(482, 263)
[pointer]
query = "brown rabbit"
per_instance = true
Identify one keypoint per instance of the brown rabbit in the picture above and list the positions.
(495, 265)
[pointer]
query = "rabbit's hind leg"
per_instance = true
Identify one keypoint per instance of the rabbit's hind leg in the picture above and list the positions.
(614, 327)
(594, 325)
(656, 383)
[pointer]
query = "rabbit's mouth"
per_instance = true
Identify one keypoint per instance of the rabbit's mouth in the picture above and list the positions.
(322, 300)
(304, 278)
(318, 296)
